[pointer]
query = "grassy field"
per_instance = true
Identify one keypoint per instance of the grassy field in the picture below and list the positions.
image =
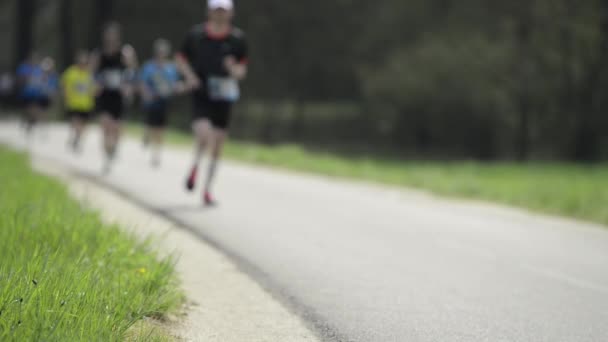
(65, 276)
(564, 189)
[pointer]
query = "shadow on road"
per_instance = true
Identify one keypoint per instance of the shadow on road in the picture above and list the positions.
(183, 208)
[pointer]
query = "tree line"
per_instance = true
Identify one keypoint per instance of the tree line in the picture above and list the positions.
(521, 79)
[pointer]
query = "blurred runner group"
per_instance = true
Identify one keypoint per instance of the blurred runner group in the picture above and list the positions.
(102, 84)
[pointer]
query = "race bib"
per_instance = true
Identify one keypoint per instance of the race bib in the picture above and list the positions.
(82, 88)
(223, 89)
(162, 86)
(112, 79)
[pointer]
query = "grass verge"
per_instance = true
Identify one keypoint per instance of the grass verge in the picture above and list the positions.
(577, 191)
(64, 275)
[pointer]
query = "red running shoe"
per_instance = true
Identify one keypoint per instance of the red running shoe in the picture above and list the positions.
(191, 182)
(209, 200)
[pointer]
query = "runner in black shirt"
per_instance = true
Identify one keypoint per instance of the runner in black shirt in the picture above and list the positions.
(111, 65)
(213, 59)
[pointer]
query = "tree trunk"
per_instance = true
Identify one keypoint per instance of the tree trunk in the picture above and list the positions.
(25, 30)
(525, 66)
(66, 25)
(588, 136)
(567, 95)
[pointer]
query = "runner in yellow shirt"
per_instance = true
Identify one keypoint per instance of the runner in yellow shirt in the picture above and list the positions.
(78, 85)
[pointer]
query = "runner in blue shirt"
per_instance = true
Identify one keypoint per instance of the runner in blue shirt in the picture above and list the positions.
(159, 81)
(37, 83)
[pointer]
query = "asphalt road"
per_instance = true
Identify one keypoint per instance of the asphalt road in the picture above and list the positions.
(367, 263)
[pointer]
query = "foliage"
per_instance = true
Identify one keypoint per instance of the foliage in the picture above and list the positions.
(525, 77)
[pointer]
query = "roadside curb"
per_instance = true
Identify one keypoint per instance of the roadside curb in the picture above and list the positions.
(224, 304)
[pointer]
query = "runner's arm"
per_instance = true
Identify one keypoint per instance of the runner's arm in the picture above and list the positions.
(183, 59)
(142, 85)
(179, 86)
(129, 57)
(236, 64)
(236, 69)
(184, 67)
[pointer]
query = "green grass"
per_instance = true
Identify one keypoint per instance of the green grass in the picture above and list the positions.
(572, 190)
(64, 275)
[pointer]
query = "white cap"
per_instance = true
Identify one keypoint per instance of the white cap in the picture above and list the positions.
(221, 4)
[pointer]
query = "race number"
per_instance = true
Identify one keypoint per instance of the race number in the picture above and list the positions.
(112, 79)
(223, 89)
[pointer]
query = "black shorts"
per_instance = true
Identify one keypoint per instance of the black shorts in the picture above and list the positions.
(78, 114)
(218, 113)
(156, 114)
(42, 102)
(111, 102)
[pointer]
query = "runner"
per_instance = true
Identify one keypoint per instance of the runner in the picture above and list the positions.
(112, 64)
(78, 87)
(159, 80)
(30, 83)
(37, 83)
(213, 59)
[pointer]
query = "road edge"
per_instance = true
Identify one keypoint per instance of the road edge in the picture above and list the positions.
(245, 311)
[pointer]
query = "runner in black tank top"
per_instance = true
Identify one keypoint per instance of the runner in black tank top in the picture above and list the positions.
(111, 76)
(111, 65)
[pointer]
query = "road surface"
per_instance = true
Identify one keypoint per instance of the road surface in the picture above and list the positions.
(367, 263)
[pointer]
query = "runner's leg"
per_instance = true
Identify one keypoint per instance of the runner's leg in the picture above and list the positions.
(78, 125)
(202, 131)
(217, 144)
(116, 134)
(106, 123)
(156, 141)
(111, 133)
(32, 115)
(146, 139)
(28, 119)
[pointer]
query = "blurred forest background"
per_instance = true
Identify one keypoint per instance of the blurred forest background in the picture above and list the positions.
(514, 80)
